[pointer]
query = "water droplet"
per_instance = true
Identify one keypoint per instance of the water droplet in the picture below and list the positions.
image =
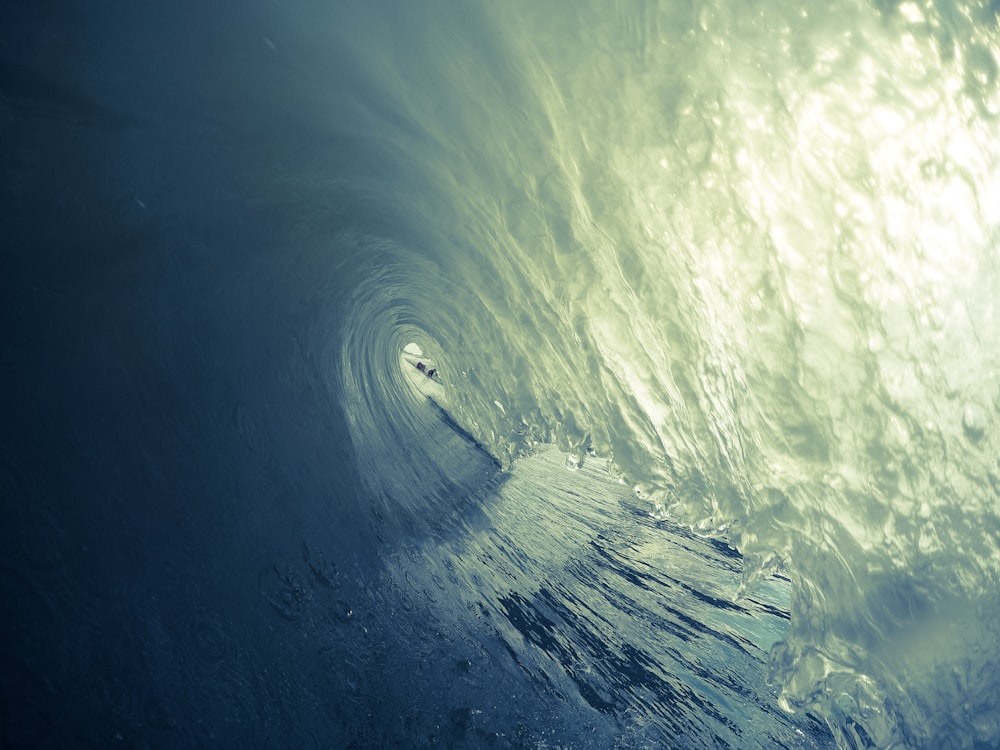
(974, 422)
(981, 66)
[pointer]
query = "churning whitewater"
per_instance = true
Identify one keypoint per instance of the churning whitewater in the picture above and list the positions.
(568, 374)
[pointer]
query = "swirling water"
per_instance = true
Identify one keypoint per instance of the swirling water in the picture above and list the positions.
(696, 278)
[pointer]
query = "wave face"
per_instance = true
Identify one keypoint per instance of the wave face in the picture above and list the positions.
(749, 255)
(714, 266)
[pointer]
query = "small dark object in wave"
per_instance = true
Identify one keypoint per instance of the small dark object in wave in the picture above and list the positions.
(423, 368)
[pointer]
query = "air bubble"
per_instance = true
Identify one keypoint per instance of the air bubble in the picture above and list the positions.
(974, 422)
(981, 67)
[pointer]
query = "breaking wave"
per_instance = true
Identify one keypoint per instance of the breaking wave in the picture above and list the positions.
(747, 254)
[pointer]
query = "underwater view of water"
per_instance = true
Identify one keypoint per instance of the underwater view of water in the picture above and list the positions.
(709, 453)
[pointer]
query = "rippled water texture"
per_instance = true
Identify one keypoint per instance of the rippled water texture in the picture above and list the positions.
(710, 455)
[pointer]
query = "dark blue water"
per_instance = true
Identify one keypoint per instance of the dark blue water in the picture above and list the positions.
(709, 459)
